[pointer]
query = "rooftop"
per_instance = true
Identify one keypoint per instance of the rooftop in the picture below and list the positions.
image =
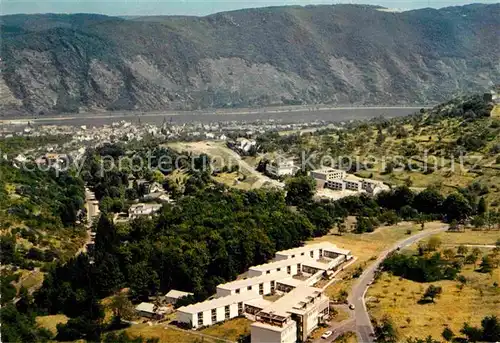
(328, 170)
(259, 303)
(291, 281)
(307, 248)
(173, 293)
(145, 307)
(295, 298)
(280, 264)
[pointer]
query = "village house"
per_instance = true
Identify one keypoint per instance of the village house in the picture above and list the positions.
(174, 295)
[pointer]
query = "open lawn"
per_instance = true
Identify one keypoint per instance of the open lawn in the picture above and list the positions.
(30, 279)
(231, 329)
(233, 180)
(398, 297)
(470, 237)
(50, 322)
(166, 334)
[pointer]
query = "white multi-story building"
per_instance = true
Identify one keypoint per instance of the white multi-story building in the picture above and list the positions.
(216, 310)
(291, 266)
(294, 316)
(281, 167)
(263, 284)
(352, 185)
(282, 332)
(327, 174)
(336, 185)
(141, 209)
(315, 251)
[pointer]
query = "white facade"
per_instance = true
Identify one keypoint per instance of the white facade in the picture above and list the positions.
(262, 285)
(280, 168)
(308, 305)
(314, 251)
(337, 185)
(213, 311)
(143, 209)
(261, 332)
(291, 266)
(352, 185)
(327, 174)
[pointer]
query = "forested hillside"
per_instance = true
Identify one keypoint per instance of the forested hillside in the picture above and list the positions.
(342, 54)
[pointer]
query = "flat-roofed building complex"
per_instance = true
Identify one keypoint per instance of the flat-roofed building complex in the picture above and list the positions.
(338, 180)
(292, 317)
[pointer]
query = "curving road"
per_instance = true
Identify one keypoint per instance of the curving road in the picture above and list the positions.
(364, 327)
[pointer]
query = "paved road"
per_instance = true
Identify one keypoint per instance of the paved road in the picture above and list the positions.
(364, 328)
(339, 328)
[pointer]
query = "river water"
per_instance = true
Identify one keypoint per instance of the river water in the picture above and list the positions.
(291, 116)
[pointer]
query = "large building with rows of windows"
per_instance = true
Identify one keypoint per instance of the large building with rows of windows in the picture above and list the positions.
(291, 275)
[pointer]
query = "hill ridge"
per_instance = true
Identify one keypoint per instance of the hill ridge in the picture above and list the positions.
(254, 57)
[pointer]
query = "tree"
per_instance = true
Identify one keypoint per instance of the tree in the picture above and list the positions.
(143, 280)
(456, 207)
(364, 224)
(481, 206)
(300, 190)
(448, 334)
(433, 243)
(462, 250)
(108, 276)
(473, 334)
(342, 228)
(20, 327)
(487, 265)
(122, 307)
(79, 328)
(385, 331)
(428, 201)
(431, 293)
(491, 329)
(449, 253)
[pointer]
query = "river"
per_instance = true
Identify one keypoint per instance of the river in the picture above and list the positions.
(286, 116)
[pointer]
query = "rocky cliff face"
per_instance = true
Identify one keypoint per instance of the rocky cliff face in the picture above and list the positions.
(340, 54)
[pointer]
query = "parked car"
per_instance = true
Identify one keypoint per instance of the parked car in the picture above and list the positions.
(351, 306)
(327, 334)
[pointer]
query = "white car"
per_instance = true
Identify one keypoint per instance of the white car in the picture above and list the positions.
(326, 334)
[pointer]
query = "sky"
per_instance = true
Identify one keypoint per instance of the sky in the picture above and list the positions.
(192, 7)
